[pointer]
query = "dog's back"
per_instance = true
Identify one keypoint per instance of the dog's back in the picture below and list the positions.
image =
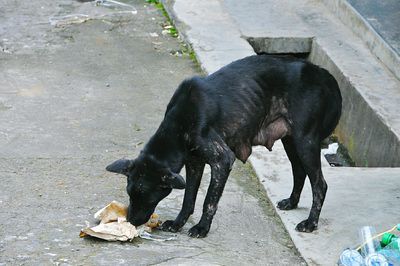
(242, 100)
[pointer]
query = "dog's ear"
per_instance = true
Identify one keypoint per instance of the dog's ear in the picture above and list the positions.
(121, 166)
(172, 180)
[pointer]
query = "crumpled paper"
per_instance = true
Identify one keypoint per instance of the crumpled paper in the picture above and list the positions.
(113, 231)
(111, 212)
(113, 225)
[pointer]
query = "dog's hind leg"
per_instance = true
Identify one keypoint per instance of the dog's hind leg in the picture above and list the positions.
(299, 176)
(309, 153)
(220, 157)
(194, 172)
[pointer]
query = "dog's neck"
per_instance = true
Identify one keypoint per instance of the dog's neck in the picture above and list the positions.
(167, 145)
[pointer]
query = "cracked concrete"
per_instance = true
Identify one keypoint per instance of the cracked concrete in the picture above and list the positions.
(72, 100)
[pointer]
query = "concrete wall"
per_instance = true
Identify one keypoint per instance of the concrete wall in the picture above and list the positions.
(369, 140)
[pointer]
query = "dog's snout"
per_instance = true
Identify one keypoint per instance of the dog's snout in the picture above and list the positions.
(137, 221)
(137, 217)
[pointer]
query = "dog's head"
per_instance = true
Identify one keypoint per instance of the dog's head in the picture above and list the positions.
(149, 181)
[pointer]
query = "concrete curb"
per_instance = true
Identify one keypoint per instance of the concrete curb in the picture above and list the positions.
(211, 57)
(353, 20)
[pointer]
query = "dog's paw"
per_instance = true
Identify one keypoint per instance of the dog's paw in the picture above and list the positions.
(306, 226)
(286, 204)
(198, 231)
(170, 226)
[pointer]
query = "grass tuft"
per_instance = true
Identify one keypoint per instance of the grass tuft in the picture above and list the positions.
(186, 49)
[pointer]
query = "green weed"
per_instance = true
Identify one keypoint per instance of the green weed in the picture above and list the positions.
(186, 49)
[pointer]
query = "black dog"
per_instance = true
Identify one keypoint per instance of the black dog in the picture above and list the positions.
(211, 120)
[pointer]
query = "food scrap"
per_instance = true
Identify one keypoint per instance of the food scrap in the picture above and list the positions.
(113, 225)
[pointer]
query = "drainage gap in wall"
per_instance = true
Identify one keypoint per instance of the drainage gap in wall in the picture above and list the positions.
(336, 153)
(297, 55)
(281, 45)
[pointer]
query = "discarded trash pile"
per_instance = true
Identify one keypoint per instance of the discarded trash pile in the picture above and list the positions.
(114, 227)
(373, 252)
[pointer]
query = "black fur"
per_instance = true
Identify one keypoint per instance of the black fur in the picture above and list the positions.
(213, 120)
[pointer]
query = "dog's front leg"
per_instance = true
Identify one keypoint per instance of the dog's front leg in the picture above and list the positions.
(221, 159)
(194, 171)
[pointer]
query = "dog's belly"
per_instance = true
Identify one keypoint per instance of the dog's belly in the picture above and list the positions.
(266, 136)
(271, 132)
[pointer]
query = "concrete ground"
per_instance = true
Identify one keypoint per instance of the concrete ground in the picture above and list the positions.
(218, 29)
(73, 99)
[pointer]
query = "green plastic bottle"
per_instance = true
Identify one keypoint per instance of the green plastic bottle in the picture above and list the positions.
(387, 238)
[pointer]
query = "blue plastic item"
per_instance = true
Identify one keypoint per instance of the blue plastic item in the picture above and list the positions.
(392, 252)
(350, 257)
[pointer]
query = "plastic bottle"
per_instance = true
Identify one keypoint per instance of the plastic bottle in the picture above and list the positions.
(369, 245)
(387, 238)
(394, 245)
(370, 248)
(392, 251)
(350, 257)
